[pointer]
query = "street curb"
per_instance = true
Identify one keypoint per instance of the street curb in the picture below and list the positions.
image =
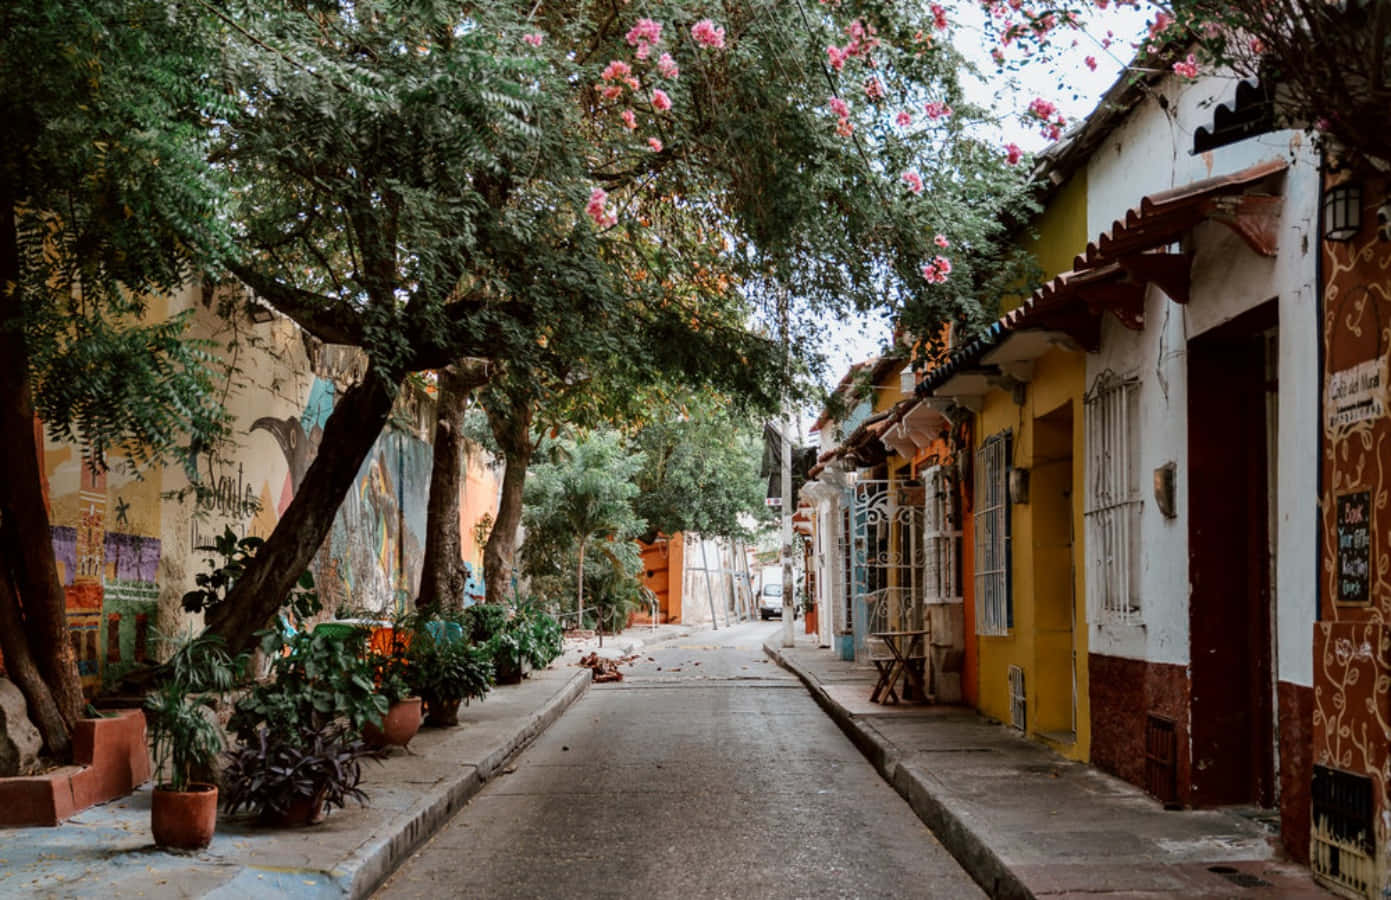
(970, 851)
(373, 862)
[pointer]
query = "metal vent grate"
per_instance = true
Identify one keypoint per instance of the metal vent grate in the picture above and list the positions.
(1018, 705)
(1161, 759)
(1343, 831)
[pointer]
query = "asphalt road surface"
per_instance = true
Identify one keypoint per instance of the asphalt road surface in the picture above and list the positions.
(707, 772)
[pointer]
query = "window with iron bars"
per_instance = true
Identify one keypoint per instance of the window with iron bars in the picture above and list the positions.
(941, 537)
(1112, 511)
(992, 537)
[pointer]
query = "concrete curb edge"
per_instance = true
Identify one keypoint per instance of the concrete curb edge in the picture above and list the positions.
(975, 856)
(373, 862)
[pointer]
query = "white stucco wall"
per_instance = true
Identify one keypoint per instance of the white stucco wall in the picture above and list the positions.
(1147, 154)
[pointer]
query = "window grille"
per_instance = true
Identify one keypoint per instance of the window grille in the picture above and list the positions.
(1113, 499)
(941, 538)
(992, 537)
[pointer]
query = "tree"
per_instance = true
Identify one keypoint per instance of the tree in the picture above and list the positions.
(442, 576)
(1327, 65)
(700, 472)
(584, 495)
(431, 185)
(105, 199)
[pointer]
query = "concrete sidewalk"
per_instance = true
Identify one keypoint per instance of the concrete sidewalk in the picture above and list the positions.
(1023, 821)
(107, 851)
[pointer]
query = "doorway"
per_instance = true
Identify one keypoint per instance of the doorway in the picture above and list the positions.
(1231, 604)
(1050, 497)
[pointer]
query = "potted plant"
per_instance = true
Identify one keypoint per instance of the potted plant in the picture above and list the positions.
(403, 712)
(445, 670)
(186, 741)
(300, 740)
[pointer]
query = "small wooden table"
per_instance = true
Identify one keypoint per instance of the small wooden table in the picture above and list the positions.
(907, 648)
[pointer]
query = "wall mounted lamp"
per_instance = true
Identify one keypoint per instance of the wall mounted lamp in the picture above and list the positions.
(1342, 212)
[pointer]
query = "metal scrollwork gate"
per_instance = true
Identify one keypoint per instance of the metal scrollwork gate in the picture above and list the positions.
(886, 558)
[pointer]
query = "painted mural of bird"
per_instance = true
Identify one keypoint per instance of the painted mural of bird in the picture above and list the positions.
(299, 448)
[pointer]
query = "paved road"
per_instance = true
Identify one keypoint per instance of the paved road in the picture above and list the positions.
(707, 772)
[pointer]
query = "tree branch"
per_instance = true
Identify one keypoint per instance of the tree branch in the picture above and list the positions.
(326, 319)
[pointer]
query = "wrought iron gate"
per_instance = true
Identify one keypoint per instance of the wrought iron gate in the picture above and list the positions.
(886, 558)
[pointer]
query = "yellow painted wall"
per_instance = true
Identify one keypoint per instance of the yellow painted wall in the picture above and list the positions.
(1058, 234)
(1047, 587)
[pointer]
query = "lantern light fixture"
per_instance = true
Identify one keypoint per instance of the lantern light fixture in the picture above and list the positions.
(1342, 212)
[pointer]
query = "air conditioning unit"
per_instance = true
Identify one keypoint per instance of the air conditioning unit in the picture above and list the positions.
(1018, 704)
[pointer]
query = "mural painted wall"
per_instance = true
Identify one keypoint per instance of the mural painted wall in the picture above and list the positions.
(126, 542)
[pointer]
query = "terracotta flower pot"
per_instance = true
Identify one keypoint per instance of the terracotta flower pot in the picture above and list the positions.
(184, 820)
(399, 725)
(442, 713)
(301, 811)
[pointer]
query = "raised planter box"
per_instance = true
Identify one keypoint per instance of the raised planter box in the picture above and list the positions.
(111, 758)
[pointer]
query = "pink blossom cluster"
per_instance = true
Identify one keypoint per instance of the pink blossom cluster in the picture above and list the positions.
(874, 90)
(863, 42)
(667, 67)
(936, 109)
(645, 35)
(630, 119)
(1013, 154)
(617, 73)
(939, 17)
(839, 107)
(655, 144)
(914, 182)
(1188, 68)
(598, 211)
(534, 39)
(904, 118)
(941, 241)
(1051, 121)
(660, 101)
(708, 34)
(936, 272)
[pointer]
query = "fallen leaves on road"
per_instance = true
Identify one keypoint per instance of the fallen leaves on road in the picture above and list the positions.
(604, 669)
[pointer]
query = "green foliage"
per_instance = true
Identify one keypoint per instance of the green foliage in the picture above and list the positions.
(700, 471)
(273, 770)
(104, 171)
(322, 683)
(236, 553)
(445, 667)
(482, 620)
(183, 732)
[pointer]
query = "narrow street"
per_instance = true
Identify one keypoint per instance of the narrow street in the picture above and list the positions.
(707, 772)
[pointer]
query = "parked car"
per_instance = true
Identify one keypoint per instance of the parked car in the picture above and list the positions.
(770, 601)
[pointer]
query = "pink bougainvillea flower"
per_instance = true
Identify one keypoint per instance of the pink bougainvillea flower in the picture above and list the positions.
(596, 210)
(914, 182)
(534, 39)
(941, 241)
(1091, 63)
(844, 127)
(904, 118)
(936, 272)
(1188, 68)
(646, 31)
(708, 34)
(939, 17)
(836, 57)
(936, 109)
(1013, 154)
(874, 89)
(655, 144)
(616, 70)
(630, 120)
(1041, 109)
(612, 92)
(667, 66)
(660, 101)
(840, 107)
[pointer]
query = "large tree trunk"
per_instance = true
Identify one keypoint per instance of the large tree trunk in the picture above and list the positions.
(442, 578)
(24, 672)
(351, 430)
(579, 594)
(40, 604)
(512, 431)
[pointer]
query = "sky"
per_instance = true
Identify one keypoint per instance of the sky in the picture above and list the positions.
(846, 341)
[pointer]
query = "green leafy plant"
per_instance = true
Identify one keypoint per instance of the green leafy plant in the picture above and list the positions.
(184, 735)
(443, 669)
(483, 620)
(547, 639)
(236, 554)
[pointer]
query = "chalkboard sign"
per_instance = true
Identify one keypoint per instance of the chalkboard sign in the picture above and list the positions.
(1354, 526)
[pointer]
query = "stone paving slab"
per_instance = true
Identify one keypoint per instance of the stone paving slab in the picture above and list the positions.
(1024, 821)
